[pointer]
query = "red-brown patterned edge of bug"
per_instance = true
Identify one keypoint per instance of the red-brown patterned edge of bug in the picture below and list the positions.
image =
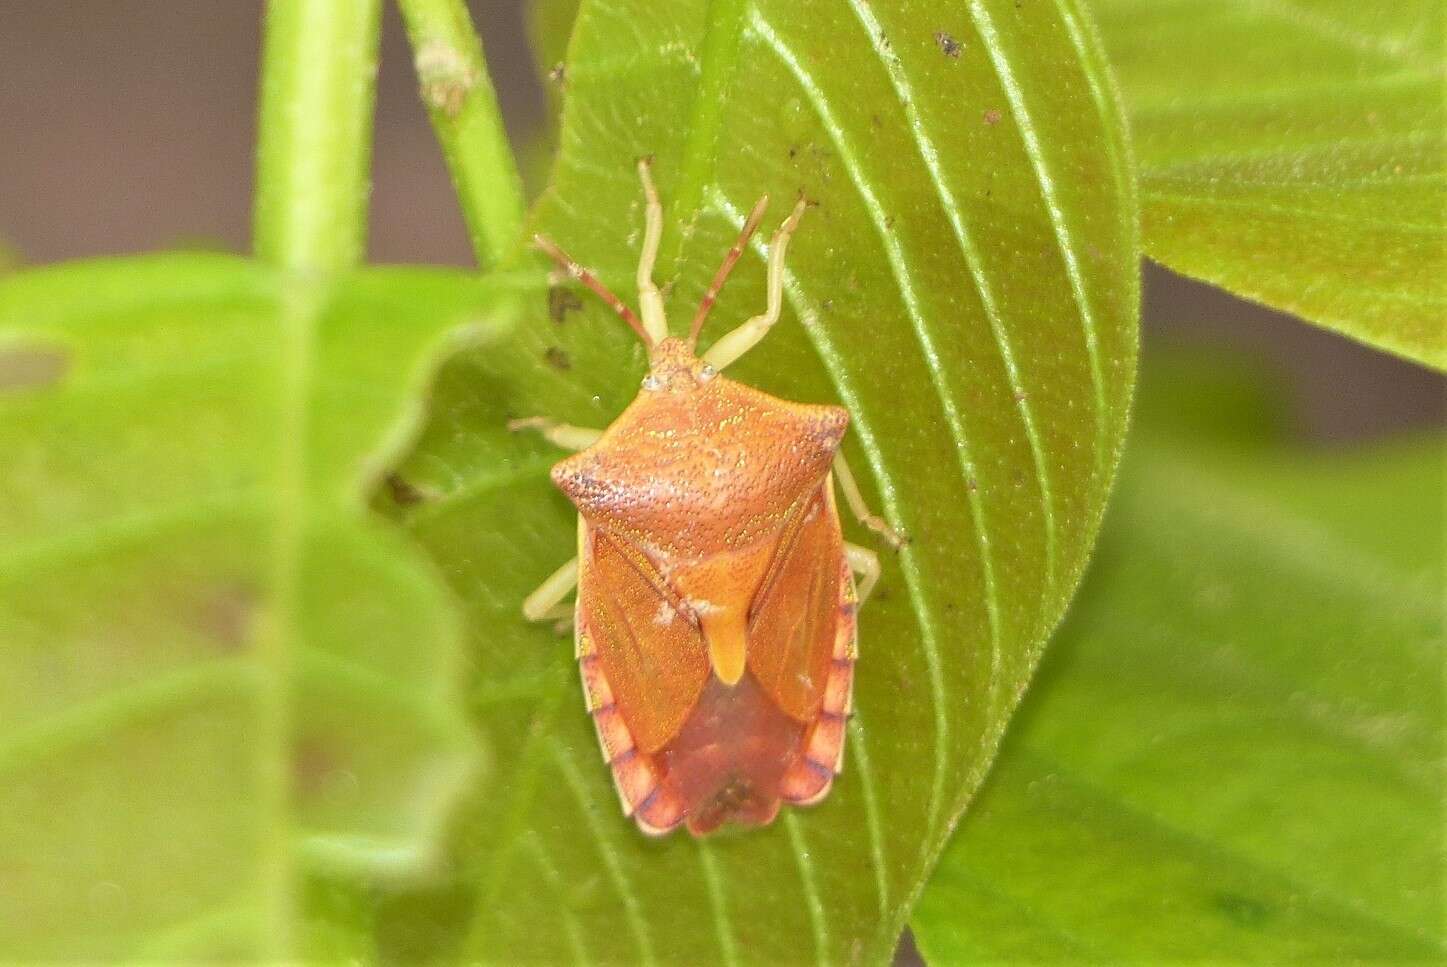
(635, 776)
(809, 779)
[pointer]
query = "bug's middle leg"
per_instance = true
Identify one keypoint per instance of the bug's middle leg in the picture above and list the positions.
(546, 603)
(859, 508)
(564, 435)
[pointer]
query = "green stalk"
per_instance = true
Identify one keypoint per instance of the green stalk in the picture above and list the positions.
(319, 71)
(463, 106)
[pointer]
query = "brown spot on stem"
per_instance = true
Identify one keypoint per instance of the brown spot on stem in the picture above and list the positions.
(31, 367)
(446, 77)
(313, 765)
(227, 613)
(992, 117)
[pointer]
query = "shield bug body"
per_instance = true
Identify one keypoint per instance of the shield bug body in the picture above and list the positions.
(715, 612)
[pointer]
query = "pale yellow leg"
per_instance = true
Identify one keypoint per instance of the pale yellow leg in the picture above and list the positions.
(650, 301)
(734, 344)
(546, 603)
(864, 563)
(563, 435)
(859, 508)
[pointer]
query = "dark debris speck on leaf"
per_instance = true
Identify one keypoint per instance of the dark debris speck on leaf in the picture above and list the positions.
(558, 358)
(403, 493)
(561, 301)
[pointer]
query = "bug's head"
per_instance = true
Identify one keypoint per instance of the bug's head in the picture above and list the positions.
(674, 368)
(674, 364)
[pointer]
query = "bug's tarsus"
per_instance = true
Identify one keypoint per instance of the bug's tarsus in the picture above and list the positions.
(751, 225)
(567, 263)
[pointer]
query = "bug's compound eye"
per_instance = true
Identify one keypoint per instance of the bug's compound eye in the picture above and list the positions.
(652, 382)
(706, 373)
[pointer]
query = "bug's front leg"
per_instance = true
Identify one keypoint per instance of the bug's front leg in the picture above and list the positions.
(546, 603)
(734, 344)
(564, 435)
(650, 301)
(860, 509)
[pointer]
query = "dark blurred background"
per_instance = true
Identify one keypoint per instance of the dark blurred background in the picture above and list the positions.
(127, 125)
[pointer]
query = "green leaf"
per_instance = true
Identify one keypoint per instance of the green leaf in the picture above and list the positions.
(1293, 152)
(220, 675)
(966, 284)
(1233, 750)
(549, 28)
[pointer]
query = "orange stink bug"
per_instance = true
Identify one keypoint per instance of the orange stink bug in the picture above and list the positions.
(715, 614)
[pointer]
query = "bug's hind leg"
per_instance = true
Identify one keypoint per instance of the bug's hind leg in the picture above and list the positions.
(734, 344)
(564, 435)
(860, 509)
(546, 603)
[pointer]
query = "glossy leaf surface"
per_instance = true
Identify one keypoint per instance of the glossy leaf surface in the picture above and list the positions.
(964, 281)
(219, 674)
(1233, 749)
(1295, 152)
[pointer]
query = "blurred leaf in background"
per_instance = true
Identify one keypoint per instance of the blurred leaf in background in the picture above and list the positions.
(219, 676)
(1234, 748)
(966, 283)
(1295, 152)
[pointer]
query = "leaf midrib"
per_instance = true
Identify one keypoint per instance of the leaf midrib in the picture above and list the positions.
(718, 62)
(299, 310)
(1134, 816)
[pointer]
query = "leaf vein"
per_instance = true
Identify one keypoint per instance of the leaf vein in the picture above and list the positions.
(1431, 231)
(612, 863)
(571, 929)
(715, 882)
(812, 902)
(1138, 816)
(1025, 123)
(833, 364)
(874, 31)
(947, 401)
(873, 821)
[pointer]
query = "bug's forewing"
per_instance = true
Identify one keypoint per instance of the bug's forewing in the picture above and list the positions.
(654, 659)
(803, 643)
(795, 611)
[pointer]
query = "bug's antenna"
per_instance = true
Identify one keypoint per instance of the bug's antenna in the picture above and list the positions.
(565, 261)
(751, 225)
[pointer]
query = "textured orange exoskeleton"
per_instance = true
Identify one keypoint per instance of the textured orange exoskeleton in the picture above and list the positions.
(715, 614)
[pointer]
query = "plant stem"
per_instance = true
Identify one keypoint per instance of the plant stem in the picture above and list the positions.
(319, 70)
(460, 99)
